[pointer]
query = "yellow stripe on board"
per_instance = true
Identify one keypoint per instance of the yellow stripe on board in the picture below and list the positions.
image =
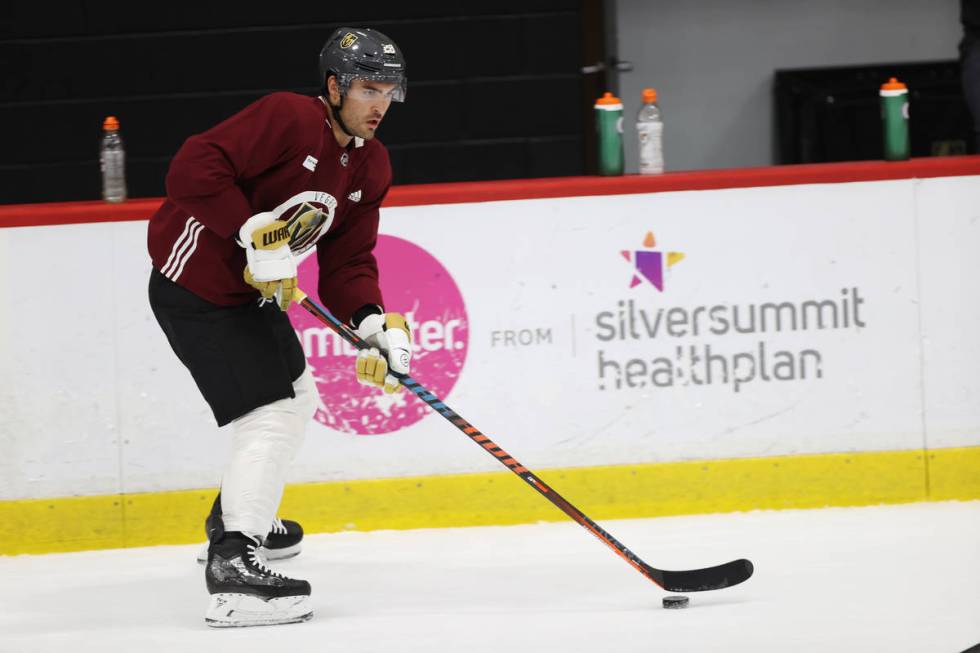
(610, 492)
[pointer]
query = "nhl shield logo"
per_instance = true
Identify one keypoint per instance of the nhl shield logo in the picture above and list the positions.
(344, 159)
(348, 40)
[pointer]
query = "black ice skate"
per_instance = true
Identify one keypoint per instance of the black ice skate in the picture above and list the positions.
(284, 539)
(244, 592)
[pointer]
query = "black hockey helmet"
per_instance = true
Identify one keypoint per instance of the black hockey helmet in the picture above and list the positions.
(363, 53)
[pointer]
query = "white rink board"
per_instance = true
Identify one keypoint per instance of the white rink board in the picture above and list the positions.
(94, 401)
(949, 233)
(742, 247)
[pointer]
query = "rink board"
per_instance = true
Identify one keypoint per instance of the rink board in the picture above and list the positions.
(639, 331)
(497, 498)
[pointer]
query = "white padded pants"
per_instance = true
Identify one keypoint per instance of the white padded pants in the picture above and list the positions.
(264, 443)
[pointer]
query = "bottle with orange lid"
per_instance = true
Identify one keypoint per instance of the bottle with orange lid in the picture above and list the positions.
(609, 124)
(895, 120)
(650, 131)
(112, 161)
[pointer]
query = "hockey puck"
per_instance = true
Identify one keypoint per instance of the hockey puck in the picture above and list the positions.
(675, 602)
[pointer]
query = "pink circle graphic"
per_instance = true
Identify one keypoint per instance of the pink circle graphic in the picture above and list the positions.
(415, 284)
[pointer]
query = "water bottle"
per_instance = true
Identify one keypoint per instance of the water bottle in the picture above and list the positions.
(609, 124)
(112, 161)
(895, 119)
(650, 130)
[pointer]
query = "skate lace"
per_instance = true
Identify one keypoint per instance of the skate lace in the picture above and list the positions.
(278, 526)
(258, 560)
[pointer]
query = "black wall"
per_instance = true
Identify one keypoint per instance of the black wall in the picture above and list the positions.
(834, 114)
(494, 87)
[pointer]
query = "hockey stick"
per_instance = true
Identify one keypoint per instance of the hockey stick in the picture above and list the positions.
(691, 580)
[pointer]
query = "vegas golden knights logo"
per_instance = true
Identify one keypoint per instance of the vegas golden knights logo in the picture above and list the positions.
(348, 40)
(304, 226)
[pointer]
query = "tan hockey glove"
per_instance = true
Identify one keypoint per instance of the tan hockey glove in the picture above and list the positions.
(270, 267)
(390, 340)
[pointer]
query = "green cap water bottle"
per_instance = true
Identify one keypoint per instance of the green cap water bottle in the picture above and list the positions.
(609, 124)
(895, 119)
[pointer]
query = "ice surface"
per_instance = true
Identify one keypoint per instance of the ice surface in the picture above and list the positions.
(895, 578)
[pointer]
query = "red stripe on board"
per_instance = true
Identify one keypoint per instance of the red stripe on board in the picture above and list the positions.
(33, 215)
(24, 215)
(812, 173)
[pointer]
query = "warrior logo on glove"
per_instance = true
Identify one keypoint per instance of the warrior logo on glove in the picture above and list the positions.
(274, 236)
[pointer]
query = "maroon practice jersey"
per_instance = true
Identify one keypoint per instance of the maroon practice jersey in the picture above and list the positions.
(278, 154)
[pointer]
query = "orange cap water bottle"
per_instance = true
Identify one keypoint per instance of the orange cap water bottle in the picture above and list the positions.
(609, 125)
(895, 120)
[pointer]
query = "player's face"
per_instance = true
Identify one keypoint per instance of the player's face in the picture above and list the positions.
(365, 106)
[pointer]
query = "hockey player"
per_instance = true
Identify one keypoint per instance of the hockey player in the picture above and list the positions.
(244, 199)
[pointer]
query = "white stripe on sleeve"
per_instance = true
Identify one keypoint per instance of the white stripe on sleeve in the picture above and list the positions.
(198, 228)
(177, 245)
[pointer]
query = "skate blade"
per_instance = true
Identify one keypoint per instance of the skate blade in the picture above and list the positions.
(283, 553)
(243, 610)
(270, 554)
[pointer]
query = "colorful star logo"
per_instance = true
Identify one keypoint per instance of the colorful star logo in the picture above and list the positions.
(649, 264)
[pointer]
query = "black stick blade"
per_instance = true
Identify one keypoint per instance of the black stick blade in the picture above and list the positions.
(711, 578)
